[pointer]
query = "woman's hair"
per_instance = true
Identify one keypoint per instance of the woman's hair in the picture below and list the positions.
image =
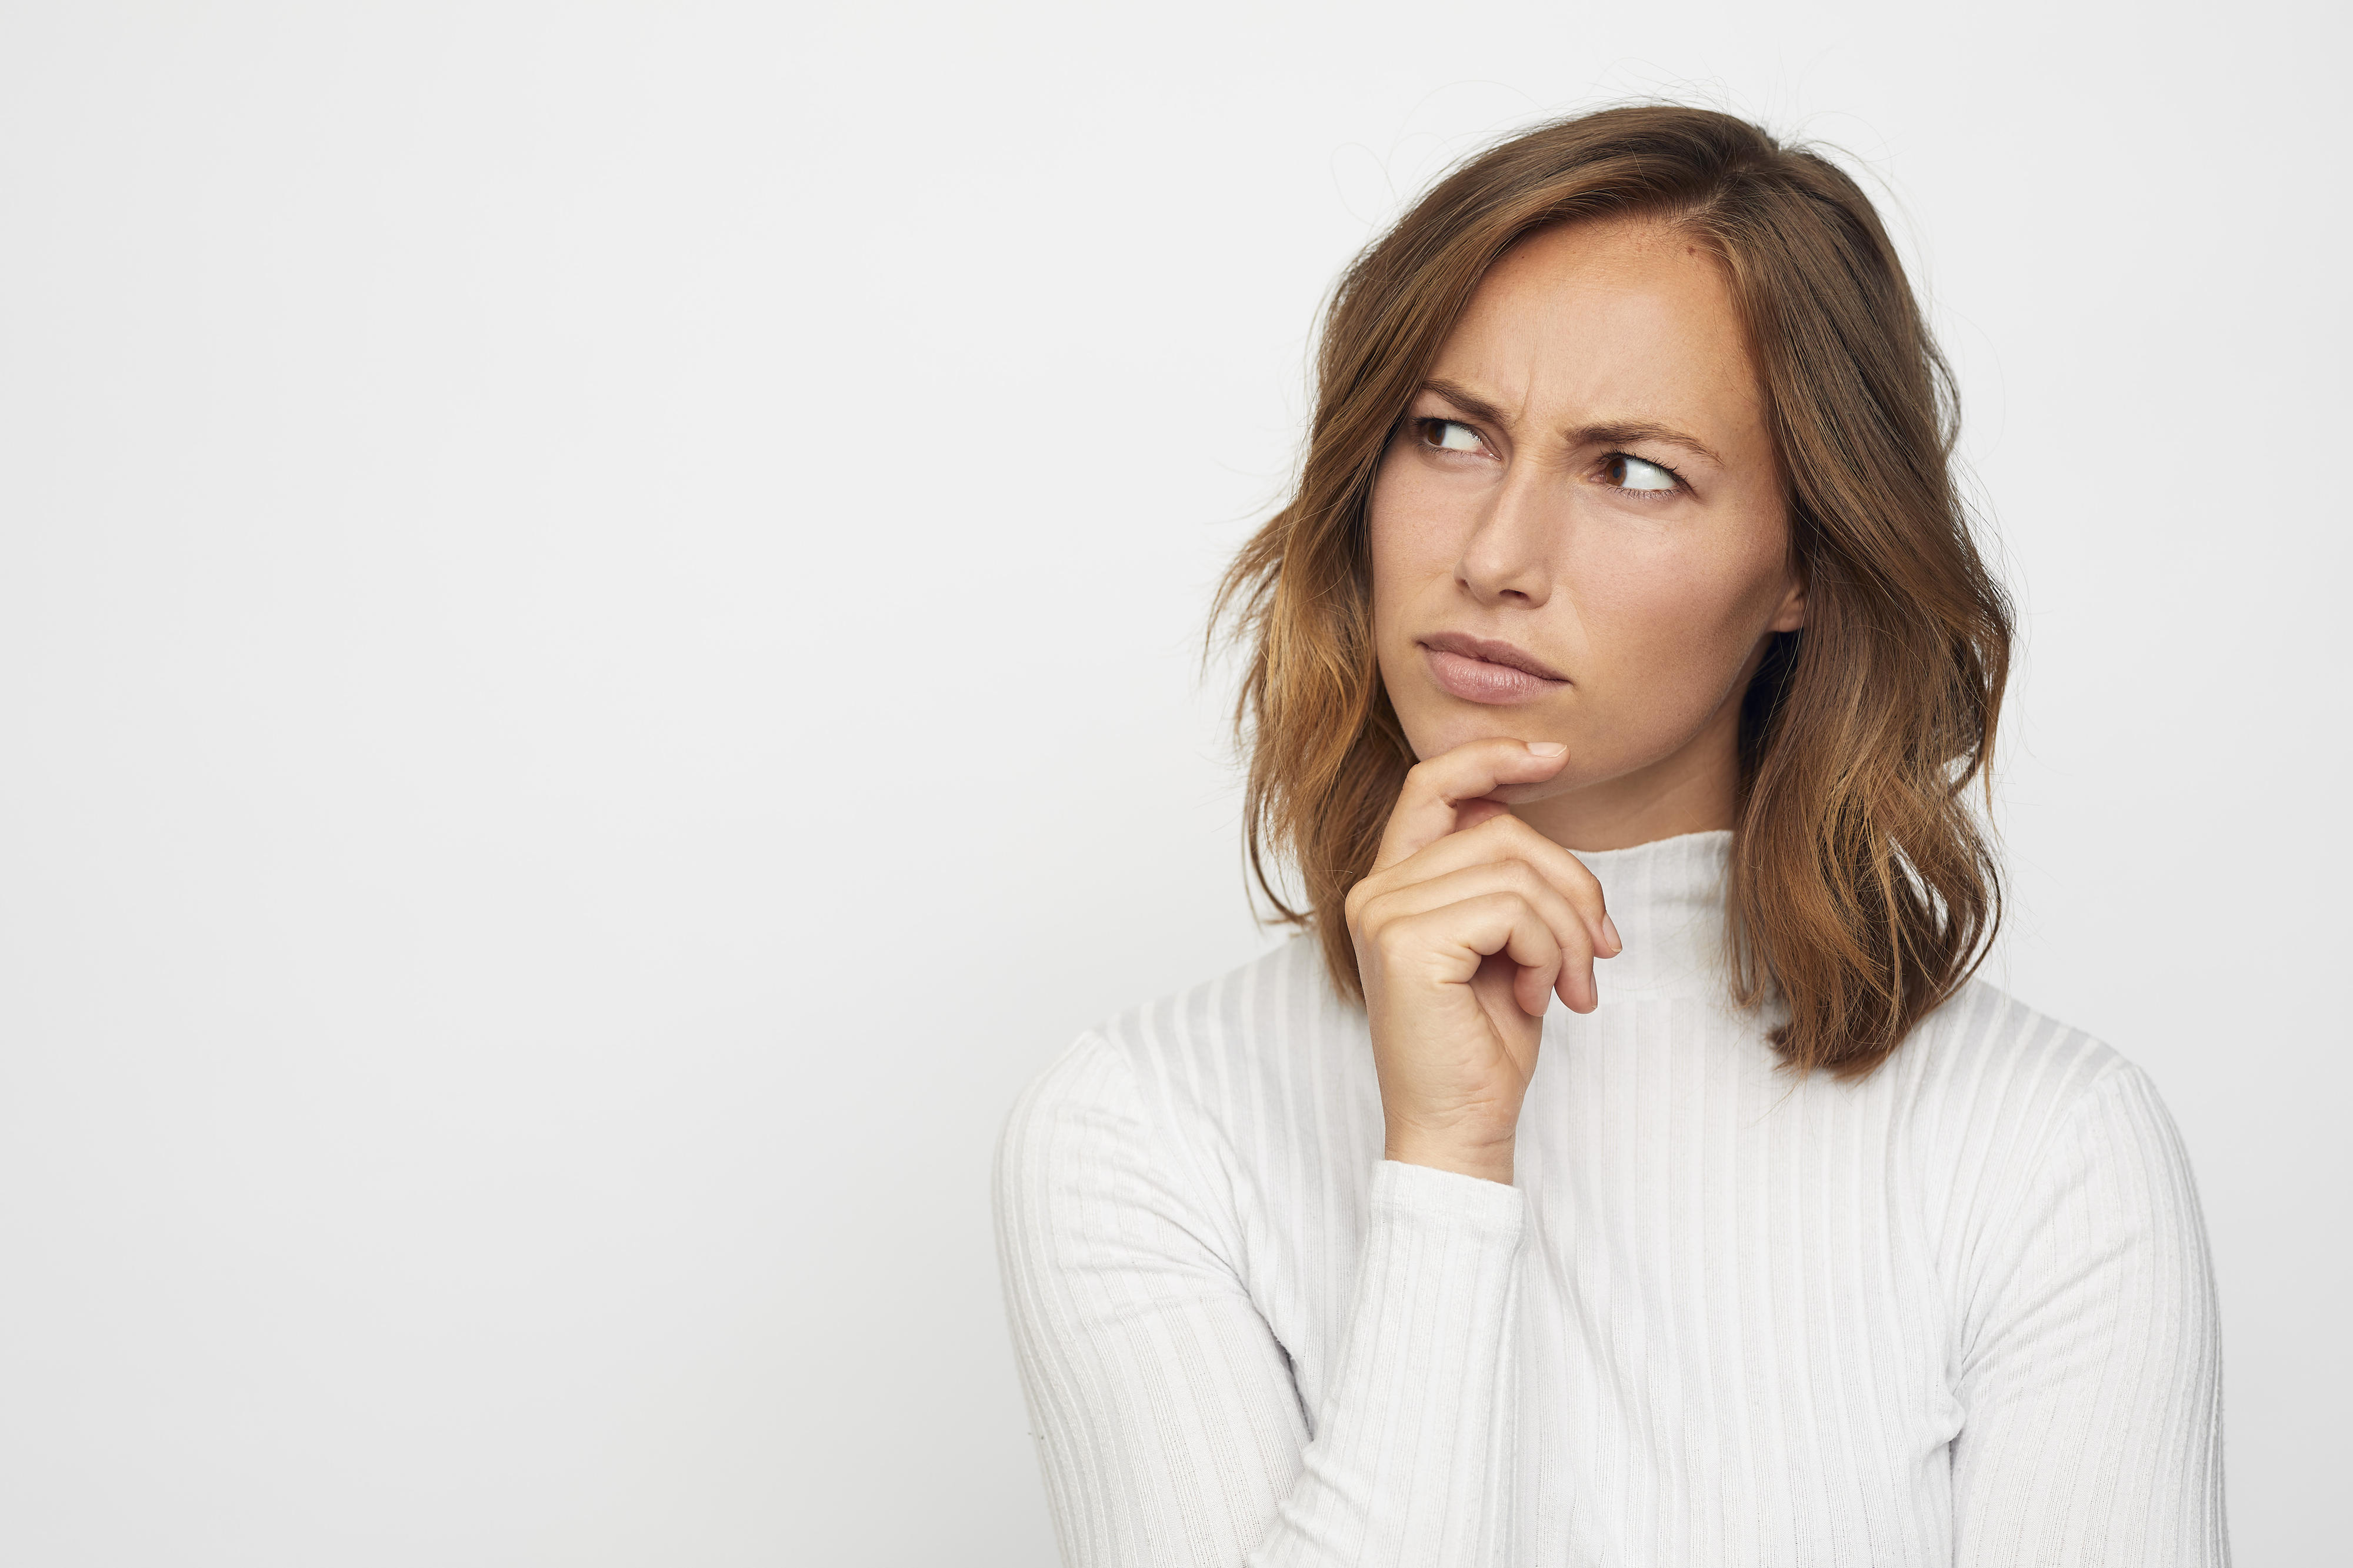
(1862, 888)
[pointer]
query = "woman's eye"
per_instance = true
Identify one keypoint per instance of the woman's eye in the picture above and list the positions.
(1633, 474)
(1448, 436)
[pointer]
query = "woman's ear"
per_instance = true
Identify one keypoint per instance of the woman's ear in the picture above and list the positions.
(1791, 614)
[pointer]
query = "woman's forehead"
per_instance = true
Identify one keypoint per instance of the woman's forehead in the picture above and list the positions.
(1608, 321)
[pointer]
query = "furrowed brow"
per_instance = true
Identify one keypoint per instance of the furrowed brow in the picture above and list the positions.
(1615, 432)
(1633, 432)
(1464, 398)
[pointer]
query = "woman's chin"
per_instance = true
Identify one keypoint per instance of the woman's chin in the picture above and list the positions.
(1440, 739)
(1521, 794)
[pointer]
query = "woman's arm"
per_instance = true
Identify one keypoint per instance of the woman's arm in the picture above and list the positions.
(1169, 1426)
(1172, 1426)
(2091, 1371)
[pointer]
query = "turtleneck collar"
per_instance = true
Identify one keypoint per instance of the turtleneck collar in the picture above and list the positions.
(1667, 898)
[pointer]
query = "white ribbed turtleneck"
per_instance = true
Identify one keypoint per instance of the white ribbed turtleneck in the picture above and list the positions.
(1959, 1312)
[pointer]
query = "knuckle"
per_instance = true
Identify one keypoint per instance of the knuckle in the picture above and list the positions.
(1525, 912)
(1526, 878)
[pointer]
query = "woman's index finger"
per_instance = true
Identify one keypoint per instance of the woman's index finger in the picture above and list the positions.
(1427, 807)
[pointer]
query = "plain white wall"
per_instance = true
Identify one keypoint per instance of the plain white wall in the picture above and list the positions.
(597, 636)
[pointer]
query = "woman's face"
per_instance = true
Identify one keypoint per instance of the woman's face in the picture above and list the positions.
(1577, 533)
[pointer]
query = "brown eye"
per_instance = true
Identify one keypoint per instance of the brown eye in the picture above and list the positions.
(1630, 473)
(1449, 437)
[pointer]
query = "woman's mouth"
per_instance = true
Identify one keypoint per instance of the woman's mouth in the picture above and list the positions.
(1477, 670)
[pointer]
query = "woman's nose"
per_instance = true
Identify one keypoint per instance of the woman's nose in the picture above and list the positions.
(1508, 556)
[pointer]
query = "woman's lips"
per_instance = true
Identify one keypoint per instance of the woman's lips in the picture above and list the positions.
(1476, 680)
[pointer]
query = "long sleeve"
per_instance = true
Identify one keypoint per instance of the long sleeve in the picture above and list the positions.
(2090, 1372)
(1170, 1428)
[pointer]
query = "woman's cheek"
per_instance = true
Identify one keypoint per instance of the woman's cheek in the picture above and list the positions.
(1661, 672)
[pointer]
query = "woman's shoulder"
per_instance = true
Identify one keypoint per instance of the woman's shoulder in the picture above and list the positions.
(2056, 1182)
(1267, 1037)
(2000, 1096)
(1985, 1044)
(1180, 1106)
(1985, 1048)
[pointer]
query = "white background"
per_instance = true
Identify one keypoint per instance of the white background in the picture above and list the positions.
(599, 609)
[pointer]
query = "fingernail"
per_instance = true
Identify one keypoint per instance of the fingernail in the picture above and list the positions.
(1609, 930)
(1546, 748)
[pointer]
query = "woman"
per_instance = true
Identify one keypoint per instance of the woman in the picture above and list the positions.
(1625, 643)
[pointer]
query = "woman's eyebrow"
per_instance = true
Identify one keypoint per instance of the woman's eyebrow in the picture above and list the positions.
(1614, 433)
(1629, 432)
(1464, 398)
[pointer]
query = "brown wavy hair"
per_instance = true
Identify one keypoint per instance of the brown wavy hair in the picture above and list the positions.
(1863, 888)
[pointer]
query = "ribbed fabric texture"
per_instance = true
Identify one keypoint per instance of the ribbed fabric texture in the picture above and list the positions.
(1959, 1313)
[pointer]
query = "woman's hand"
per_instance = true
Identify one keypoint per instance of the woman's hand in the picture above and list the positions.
(1469, 924)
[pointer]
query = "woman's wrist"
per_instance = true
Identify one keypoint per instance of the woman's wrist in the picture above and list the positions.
(1490, 1162)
